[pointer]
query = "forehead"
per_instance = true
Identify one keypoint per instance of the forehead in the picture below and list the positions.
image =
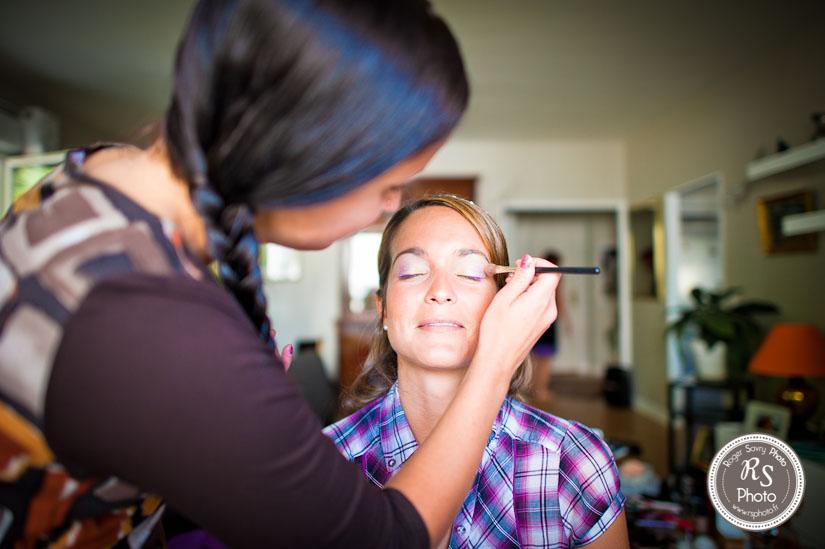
(436, 229)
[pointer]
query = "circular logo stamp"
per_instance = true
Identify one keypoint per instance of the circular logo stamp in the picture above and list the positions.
(756, 482)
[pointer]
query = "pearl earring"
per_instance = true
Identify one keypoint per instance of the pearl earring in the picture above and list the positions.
(385, 327)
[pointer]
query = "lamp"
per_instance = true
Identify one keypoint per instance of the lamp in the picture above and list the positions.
(793, 350)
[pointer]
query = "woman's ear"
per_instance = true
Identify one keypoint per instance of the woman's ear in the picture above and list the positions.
(379, 304)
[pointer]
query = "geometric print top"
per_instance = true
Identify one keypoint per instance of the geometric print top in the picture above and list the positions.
(56, 243)
(543, 481)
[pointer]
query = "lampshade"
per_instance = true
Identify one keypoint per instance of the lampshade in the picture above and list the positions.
(791, 350)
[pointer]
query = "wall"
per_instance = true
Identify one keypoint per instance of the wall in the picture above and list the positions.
(515, 170)
(721, 129)
(310, 307)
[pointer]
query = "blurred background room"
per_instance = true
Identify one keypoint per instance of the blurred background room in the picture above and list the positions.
(679, 146)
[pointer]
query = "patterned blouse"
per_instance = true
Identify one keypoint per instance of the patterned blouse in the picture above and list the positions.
(543, 481)
(56, 243)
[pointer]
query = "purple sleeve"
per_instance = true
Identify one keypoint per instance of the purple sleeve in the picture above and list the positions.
(163, 383)
(590, 496)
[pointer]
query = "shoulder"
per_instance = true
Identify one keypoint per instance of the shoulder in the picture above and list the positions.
(589, 491)
(572, 459)
(569, 438)
(529, 425)
(357, 433)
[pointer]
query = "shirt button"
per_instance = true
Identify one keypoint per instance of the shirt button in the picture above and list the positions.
(391, 462)
(460, 530)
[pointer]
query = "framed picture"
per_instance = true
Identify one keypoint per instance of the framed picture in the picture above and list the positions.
(771, 210)
(701, 453)
(724, 432)
(767, 418)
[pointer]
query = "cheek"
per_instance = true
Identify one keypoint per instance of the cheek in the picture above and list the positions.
(399, 304)
(477, 302)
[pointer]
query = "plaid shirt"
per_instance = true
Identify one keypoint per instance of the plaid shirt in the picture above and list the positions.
(543, 481)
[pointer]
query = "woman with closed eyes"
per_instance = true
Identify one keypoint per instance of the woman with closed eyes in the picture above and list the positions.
(543, 481)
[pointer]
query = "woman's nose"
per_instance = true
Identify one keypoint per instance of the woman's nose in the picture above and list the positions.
(440, 290)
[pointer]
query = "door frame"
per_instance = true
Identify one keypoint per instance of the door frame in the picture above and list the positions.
(672, 221)
(617, 207)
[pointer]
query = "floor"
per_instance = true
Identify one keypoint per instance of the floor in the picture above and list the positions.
(580, 400)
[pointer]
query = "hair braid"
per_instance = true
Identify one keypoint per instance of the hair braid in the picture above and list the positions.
(258, 85)
(231, 242)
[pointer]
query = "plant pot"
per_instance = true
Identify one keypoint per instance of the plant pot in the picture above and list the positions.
(711, 364)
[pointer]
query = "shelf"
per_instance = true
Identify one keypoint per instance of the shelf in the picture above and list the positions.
(808, 222)
(780, 162)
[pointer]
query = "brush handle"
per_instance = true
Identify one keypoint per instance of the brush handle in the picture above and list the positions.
(570, 270)
(501, 269)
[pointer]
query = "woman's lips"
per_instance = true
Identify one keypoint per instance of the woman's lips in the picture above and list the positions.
(440, 325)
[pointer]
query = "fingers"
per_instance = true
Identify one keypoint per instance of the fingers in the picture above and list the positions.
(520, 280)
(287, 355)
(543, 291)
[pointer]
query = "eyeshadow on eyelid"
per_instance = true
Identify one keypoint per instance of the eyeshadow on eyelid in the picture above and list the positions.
(411, 266)
(473, 262)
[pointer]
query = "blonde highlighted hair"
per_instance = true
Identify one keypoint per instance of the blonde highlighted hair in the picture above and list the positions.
(380, 369)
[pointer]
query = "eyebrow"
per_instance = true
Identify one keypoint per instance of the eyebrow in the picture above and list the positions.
(470, 251)
(415, 251)
(463, 252)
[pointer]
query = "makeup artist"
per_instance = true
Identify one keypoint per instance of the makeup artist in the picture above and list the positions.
(131, 379)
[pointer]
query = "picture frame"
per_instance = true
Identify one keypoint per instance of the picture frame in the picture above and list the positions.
(724, 432)
(764, 417)
(702, 450)
(770, 211)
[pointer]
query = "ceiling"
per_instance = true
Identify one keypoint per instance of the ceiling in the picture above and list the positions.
(538, 68)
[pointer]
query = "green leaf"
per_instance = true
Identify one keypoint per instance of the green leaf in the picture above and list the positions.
(698, 295)
(719, 324)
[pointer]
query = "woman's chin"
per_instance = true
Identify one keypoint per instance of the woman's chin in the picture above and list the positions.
(445, 362)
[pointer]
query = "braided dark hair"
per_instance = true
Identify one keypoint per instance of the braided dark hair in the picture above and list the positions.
(283, 103)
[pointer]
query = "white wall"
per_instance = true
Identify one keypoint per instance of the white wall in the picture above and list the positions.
(546, 170)
(309, 308)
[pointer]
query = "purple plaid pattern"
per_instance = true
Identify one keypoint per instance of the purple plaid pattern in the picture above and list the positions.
(543, 481)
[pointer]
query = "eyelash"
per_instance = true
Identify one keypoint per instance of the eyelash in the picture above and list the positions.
(413, 275)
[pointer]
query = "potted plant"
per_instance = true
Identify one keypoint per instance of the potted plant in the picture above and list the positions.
(715, 319)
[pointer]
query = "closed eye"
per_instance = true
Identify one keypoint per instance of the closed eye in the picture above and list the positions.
(409, 275)
(474, 278)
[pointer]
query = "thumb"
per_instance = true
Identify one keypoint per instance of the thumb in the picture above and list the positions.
(521, 279)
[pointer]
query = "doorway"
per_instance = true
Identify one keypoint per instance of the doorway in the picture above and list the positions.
(588, 327)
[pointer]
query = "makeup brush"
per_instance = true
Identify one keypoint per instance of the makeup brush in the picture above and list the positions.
(493, 269)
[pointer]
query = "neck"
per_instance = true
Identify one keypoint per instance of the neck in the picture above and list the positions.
(146, 176)
(425, 395)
